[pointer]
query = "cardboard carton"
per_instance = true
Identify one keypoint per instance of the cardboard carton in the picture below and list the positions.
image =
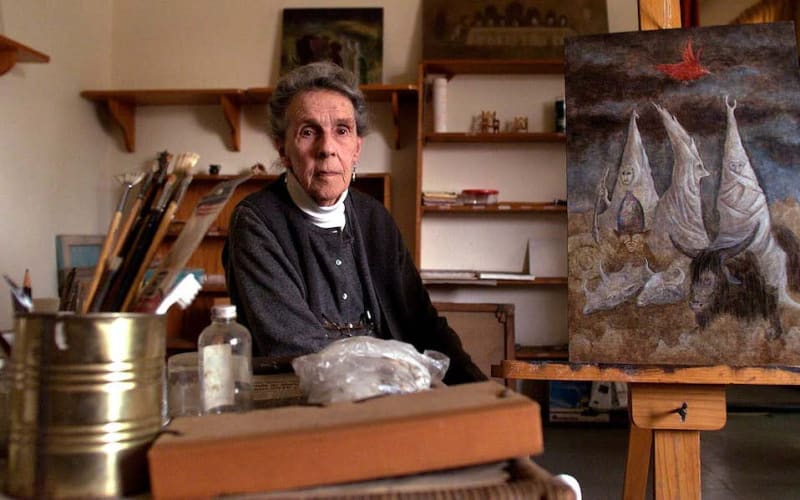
(301, 446)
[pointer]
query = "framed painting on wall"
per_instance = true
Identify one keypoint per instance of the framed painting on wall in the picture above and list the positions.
(502, 29)
(351, 38)
(683, 174)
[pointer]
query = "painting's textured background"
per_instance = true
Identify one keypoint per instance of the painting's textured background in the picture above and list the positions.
(684, 141)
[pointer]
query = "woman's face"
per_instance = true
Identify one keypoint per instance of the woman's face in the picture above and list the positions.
(321, 144)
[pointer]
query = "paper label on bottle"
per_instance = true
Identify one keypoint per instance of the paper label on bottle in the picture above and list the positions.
(218, 376)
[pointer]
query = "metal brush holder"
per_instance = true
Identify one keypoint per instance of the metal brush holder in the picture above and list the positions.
(85, 403)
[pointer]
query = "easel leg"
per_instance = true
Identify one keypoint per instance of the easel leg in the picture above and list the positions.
(677, 464)
(637, 467)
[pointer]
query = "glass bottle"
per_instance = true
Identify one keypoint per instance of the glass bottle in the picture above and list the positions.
(225, 363)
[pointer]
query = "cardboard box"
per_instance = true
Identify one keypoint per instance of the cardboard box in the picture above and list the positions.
(301, 446)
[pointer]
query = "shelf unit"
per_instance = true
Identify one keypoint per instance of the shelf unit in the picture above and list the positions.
(183, 326)
(122, 104)
(12, 52)
(457, 151)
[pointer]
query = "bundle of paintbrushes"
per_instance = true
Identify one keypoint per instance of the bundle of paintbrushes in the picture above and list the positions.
(130, 245)
(157, 289)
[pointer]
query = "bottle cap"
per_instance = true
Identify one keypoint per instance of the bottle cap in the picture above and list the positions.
(227, 311)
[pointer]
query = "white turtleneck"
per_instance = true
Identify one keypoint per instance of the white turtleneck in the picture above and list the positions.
(324, 217)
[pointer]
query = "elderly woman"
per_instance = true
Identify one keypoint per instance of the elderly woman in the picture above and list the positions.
(309, 261)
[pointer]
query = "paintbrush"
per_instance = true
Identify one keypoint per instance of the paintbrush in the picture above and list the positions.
(183, 170)
(154, 183)
(133, 211)
(138, 251)
(193, 232)
(127, 180)
(123, 278)
(66, 289)
(149, 194)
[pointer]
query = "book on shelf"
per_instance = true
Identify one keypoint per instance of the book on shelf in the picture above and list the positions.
(448, 274)
(458, 275)
(434, 198)
(505, 275)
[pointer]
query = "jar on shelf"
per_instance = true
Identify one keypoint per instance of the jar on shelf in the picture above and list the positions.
(225, 364)
(479, 196)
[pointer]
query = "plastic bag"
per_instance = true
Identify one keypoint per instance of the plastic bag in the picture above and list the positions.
(362, 367)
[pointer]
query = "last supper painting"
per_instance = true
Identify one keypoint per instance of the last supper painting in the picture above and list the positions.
(683, 174)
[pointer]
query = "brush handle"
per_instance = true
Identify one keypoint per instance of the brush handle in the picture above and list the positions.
(130, 264)
(125, 229)
(161, 231)
(105, 284)
(105, 251)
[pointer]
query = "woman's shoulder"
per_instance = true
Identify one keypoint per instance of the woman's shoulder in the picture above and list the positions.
(271, 194)
(366, 203)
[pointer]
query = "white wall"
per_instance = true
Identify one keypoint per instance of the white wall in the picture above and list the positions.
(58, 155)
(236, 44)
(54, 157)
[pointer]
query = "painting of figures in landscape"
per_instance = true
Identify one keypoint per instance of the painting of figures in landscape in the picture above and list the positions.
(683, 173)
(349, 37)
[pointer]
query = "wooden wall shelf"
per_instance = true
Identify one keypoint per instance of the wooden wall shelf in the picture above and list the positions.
(494, 67)
(373, 92)
(122, 104)
(543, 281)
(509, 137)
(12, 52)
(501, 207)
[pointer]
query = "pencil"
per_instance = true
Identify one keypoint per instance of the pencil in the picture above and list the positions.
(26, 284)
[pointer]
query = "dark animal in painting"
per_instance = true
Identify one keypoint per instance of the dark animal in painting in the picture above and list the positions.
(727, 279)
(791, 246)
(688, 69)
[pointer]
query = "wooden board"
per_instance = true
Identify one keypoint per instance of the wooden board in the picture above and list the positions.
(300, 446)
(655, 406)
(486, 330)
(719, 374)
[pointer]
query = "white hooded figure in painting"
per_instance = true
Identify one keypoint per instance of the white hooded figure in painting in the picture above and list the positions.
(680, 212)
(742, 206)
(634, 180)
(679, 217)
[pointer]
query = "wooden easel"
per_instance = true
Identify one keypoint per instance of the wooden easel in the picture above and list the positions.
(668, 408)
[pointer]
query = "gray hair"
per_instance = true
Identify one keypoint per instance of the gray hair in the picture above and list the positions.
(315, 76)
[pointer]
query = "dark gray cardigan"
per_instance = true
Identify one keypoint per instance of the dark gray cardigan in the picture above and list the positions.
(266, 259)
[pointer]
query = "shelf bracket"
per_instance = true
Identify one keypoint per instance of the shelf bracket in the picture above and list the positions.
(124, 113)
(233, 111)
(12, 52)
(8, 58)
(396, 119)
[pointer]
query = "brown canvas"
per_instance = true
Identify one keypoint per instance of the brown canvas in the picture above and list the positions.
(300, 446)
(683, 182)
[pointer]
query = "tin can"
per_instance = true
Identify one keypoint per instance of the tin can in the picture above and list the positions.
(86, 403)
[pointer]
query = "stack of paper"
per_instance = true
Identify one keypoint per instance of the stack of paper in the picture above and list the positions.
(431, 198)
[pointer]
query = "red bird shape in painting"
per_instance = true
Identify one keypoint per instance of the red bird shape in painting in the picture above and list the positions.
(688, 69)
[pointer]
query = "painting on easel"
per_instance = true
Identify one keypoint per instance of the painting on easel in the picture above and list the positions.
(683, 174)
